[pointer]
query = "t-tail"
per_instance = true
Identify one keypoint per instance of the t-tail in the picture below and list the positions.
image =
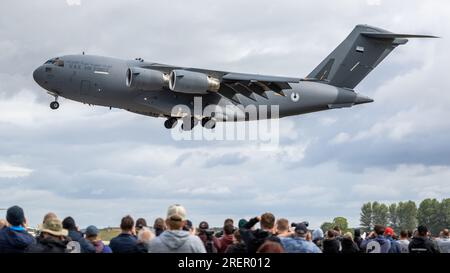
(357, 56)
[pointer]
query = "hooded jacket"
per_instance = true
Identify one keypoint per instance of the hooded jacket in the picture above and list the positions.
(421, 244)
(77, 236)
(48, 245)
(385, 245)
(14, 241)
(176, 241)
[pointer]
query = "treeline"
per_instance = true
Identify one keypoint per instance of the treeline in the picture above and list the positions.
(406, 215)
(400, 216)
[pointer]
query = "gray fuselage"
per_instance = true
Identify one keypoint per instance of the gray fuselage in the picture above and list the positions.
(97, 80)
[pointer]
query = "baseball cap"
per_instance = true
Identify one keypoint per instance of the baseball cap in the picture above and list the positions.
(176, 212)
(91, 231)
(389, 231)
(301, 228)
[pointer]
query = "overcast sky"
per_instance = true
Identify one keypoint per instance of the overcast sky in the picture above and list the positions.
(98, 165)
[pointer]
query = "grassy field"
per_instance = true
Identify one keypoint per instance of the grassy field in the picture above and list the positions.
(106, 234)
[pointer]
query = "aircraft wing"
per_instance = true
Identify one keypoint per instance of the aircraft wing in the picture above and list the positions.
(232, 83)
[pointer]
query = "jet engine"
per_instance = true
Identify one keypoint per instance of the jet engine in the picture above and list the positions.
(146, 79)
(185, 81)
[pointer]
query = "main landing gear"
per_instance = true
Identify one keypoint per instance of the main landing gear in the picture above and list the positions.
(170, 123)
(189, 123)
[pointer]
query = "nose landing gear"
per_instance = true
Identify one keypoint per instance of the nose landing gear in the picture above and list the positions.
(54, 104)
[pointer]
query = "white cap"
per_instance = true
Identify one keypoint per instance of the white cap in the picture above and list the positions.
(176, 212)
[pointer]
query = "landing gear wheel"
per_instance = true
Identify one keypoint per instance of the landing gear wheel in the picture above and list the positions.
(208, 123)
(170, 123)
(54, 105)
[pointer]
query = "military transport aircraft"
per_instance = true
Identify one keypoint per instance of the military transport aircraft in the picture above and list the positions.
(156, 90)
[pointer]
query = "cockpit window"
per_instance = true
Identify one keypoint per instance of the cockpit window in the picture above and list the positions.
(55, 61)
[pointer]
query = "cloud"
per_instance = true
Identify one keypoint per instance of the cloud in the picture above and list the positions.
(73, 2)
(12, 171)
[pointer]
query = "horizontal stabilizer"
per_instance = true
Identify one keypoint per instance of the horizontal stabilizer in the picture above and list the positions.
(394, 35)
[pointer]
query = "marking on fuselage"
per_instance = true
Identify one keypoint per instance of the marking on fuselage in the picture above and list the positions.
(295, 96)
(101, 72)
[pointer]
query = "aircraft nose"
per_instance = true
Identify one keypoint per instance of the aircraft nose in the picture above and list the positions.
(38, 75)
(360, 99)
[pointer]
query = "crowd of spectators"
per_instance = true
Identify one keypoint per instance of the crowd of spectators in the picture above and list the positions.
(177, 234)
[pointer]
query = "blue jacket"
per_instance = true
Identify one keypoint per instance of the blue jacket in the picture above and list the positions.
(395, 246)
(13, 241)
(124, 243)
(299, 245)
(77, 236)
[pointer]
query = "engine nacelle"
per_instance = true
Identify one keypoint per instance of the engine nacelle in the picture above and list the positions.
(185, 81)
(146, 79)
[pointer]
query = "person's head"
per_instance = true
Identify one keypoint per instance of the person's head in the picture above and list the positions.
(203, 226)
(145, 235)
(53, 227)
(379, 230)
(301, 230)
(69, 223)
(317, 235)
(126, 224)
(242, 223)
(388, 231)
(403, 234)
(331, 234)
(91, 233)
(3, 223)
(337, 230)
(228, 229)
(267, 221)
(357, 233)
(410, 233)
(282, 226)
(228, 221)
(48, 216)
(140, 223)
(422, 231)
(445, 233)
(270, 247)
(237, 236)
(159, 224)
(176, 217)
(348, 236)
(15, 216)
(188, 226)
